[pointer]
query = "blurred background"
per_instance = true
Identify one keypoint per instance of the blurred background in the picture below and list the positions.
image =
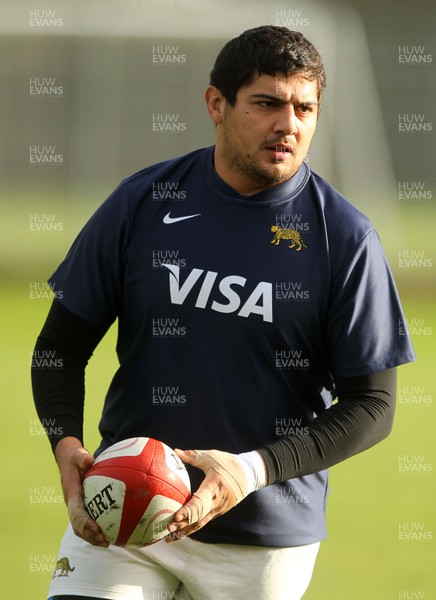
(83, 84)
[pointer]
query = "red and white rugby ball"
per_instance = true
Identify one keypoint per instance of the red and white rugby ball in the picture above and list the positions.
(133, 490)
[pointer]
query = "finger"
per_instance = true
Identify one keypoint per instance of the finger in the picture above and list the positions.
(81, 522)
(77, 513)
(187, 456)
(186, 530)
(196, 510)
(200, 505)
(93, 537)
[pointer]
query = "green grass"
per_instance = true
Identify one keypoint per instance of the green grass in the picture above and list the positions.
(362, 558)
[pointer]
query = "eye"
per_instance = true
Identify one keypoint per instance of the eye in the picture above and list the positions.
(305, 108)
(267, 103)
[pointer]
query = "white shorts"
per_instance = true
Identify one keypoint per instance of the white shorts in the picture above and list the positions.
(184, 570)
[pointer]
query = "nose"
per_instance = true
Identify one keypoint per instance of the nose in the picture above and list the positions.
(287, 123)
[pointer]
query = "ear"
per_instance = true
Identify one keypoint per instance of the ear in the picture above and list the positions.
(215, 103)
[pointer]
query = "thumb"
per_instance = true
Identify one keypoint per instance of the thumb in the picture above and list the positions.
(201, 459)
(83, 459)
(187, 456)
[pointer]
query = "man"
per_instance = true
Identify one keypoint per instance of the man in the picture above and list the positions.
(270, 323)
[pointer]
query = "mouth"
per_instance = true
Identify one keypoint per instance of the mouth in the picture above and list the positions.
(281, 151)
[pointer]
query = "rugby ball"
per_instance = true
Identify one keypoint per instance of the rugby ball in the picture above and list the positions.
(133, 490)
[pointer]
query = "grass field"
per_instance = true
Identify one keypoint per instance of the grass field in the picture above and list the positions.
(372, 505)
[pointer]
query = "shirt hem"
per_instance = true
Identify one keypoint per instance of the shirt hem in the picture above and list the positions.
(264, 542)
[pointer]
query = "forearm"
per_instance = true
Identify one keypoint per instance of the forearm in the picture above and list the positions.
(59, 394)
(361, 418)
(59, 388)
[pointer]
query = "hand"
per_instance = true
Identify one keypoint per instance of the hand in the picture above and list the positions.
(74, 461)
(223, 487)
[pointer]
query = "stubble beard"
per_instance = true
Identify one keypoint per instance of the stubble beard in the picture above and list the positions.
(252, 168)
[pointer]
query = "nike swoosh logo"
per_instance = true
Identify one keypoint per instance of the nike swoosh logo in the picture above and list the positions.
(169, 220)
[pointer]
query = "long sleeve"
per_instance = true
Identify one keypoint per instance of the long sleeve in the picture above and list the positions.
(361, 418)
(61, 354)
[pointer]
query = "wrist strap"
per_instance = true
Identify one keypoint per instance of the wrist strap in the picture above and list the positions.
(254, 469)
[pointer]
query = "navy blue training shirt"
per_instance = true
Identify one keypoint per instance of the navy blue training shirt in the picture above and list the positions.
(235, 316)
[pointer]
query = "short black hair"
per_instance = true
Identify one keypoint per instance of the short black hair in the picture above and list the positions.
(266, 50)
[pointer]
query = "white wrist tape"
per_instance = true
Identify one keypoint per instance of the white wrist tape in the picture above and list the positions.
(77, 513)
(254, 469)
